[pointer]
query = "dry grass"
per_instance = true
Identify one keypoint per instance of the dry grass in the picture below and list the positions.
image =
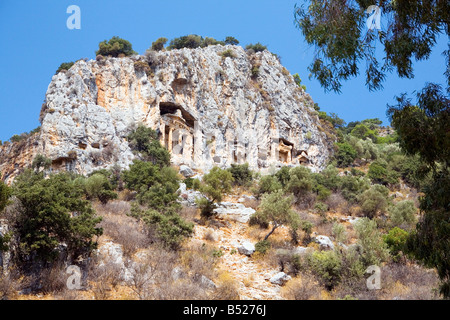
(121, 228)
(303, 287)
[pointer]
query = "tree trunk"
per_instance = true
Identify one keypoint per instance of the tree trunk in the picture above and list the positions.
(273, 229)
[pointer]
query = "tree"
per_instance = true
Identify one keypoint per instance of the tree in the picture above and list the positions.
(241, 173)
(5, 192)
(276, 208)
(98, 187)
(41, 161)
(52, 211)
(372, 248)
(231, 41)
(159, 44)
(373, 201)
(114, 47)
(64, 66)
(213, 186)
(258, 47)
(345, 155)
(423, 130)
(337, 30)
(144, 141)
(156, 187)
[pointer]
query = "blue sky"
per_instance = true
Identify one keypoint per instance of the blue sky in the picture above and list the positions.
(35, 41)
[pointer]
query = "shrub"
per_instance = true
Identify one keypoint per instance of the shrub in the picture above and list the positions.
(114, 47)
(262, 246)
(283, 176)
(258, 47)
(64, 66)
(5, 192)
(98, 187)
(144, 141)
(339, 232)
(156, 187)
(231, 41)
(302, 288)
(403, 213)
(374, 201)
(396, 241)
(45, 218)
(142, 66)
(228, 54)
(41, 161)
(321, 208)
(379, 173)
(300, 182)
(213, 186)
(192, 41)
(373, 249)
(276, 208)
(327, 266)
(268, 184)
(241, 173)
(159, 44)
(346, 154)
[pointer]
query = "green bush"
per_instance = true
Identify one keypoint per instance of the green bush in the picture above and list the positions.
(144, 141)
(5, 193)
(346, 155)
(372, 248)
(231, 41)
(262, 246)
(228, 54)
(46, 216)
(156, 187)
(98, 187)
(258, 47)
(321, 208)
(374, 201)
(268, 184)
(114, 47)
(213, 186)
(276, 208)
(159, 44)
(327, 265)
(64, 66)
(403, 213)
(241, 173)
(41, 161)
(300, 182)
(283, 175)
(339, 232)
(170, 228)
(396, 241)
(192, 41)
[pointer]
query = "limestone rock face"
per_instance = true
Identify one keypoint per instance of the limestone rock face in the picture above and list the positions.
(208, 111)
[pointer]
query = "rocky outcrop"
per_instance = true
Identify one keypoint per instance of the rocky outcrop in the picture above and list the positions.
(207, 109)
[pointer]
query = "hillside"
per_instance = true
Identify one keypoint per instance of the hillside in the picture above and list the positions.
(204, 173)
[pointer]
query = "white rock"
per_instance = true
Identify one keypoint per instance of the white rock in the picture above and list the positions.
(186, 171)
(246, 248)
(280, 278)
(324, 242)
(234, 212)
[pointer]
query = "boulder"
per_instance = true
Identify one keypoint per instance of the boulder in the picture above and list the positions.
(324, 242)
(246, 248)
(186, 171)
(234, 212)
(280, 278)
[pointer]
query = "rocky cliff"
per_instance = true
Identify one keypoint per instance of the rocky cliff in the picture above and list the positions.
(213, 106)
